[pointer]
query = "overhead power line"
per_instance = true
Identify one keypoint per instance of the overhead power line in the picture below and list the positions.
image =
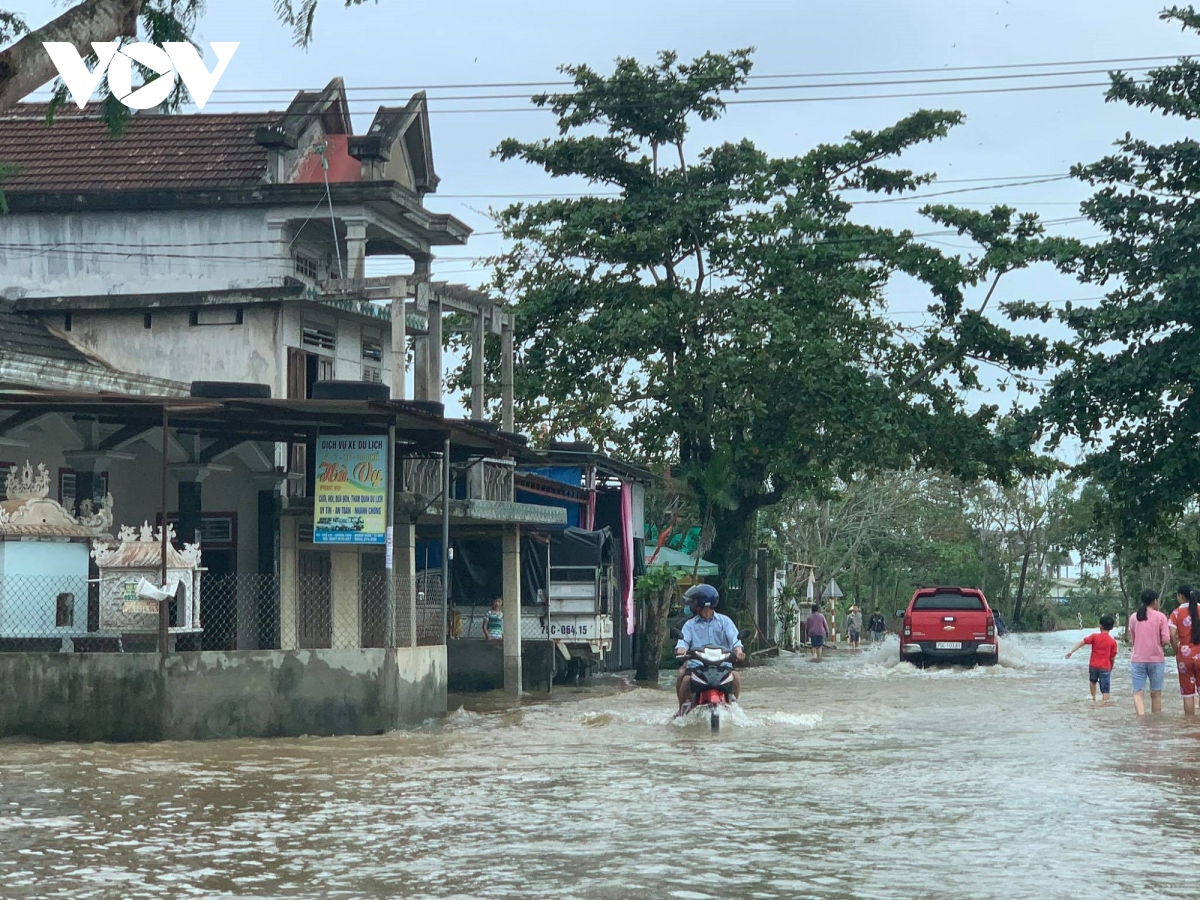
(667, 91)
(477, 85)
(1030, 179)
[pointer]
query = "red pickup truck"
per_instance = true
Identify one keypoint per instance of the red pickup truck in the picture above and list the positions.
(950, 624)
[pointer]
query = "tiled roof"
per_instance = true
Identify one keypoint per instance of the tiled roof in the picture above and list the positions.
(77, 152)
(25, 335)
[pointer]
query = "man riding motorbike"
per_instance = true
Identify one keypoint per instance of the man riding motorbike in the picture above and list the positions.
(707, 627)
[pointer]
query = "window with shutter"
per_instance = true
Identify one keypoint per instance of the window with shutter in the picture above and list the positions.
(319, 339)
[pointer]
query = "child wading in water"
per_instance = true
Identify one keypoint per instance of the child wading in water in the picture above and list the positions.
(1104, 654)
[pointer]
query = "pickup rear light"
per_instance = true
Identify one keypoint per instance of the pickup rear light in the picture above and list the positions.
(991, 625)
(907, 628)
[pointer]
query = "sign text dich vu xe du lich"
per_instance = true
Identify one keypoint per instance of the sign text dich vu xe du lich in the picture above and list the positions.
(351, 487)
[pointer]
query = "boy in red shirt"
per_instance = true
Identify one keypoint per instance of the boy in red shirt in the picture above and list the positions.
(1104, 654)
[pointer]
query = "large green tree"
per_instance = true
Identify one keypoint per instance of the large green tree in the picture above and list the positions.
(720, 311)
(1128, 387)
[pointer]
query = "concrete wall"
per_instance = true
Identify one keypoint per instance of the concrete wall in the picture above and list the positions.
(477, 665)
(173, 348)
(197, 696)
(254, 351)
(141, 253)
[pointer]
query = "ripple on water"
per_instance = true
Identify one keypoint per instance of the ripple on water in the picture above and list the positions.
(834, 778)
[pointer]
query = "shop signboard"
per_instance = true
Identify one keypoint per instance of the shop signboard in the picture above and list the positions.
(352, 484)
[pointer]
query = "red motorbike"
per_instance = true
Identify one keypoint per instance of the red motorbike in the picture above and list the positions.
(710, 682)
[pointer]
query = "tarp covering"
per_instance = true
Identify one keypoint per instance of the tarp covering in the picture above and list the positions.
(572, 475)
(576, 547)
(668, 557)
(627, 549)
(477, 571)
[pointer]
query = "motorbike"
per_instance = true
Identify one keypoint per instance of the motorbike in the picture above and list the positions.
(711, 682)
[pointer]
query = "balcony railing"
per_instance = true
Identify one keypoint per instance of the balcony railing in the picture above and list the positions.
(422, 476)
(491, 479)
(484, 479)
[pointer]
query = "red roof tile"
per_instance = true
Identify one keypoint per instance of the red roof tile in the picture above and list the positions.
(77, 152)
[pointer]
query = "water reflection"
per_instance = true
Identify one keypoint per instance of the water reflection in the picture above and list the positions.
(860, 777)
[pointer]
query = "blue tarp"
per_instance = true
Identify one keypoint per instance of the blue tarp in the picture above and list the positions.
(572, 475)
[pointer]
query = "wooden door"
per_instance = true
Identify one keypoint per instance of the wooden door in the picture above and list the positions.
(313, 585)
(372, 598)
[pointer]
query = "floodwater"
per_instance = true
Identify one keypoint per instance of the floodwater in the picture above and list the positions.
(856, 778)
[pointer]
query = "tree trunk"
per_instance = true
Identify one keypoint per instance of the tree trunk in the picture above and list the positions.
(729, 551)
(26, 66)
(1019, 604)
(1124, 592)
(650, 647)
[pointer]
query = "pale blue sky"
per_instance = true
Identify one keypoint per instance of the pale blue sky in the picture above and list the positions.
(409, 45)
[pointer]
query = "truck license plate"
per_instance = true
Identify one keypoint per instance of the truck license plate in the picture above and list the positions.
(949, 645)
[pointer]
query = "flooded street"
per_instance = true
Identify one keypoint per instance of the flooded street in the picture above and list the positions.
(857, 778)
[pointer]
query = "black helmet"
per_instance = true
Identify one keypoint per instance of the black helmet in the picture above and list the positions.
(702, 595)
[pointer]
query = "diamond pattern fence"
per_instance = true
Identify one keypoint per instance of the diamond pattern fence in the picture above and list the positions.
(46, 613)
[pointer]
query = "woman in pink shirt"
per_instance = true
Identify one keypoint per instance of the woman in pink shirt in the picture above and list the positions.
(1149, 632)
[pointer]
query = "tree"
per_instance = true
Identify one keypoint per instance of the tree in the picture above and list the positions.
(655, 591)
(1027, 517)
(25, 66)
(719, 310)
(1127, 388)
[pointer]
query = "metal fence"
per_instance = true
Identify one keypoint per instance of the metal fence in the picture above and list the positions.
(311, 610)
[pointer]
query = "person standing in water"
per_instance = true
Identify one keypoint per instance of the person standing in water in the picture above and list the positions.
(493, 622)
(1149, 631)
(818, 630)
(877, 626)
(854, 626)
(1184, 626)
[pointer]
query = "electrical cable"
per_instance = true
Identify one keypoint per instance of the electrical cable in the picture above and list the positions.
(751, 77)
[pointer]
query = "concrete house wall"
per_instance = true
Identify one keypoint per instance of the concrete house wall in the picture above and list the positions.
(141, 252)
(253, 351)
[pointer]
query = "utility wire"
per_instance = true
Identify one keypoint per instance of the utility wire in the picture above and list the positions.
(682, 89)
(140, 257)
(752, 77)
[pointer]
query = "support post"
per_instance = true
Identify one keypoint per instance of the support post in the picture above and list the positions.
(435, 347)
(421, 386)
(399, 345)
(164, 612)
(511, 566)
(445, 536)
(506, 373)
(356, 248)
(267, 619)
(389, 563)
(477, 359)
(190, 508)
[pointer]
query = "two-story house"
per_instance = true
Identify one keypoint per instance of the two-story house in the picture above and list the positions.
(228, 246)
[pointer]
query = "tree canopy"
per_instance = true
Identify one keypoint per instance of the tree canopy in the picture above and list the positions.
(1127, 388)
(719, 310)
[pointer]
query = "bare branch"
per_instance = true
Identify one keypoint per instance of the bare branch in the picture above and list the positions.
(26, 66)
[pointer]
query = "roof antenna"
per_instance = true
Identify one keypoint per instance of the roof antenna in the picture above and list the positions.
(332, 221)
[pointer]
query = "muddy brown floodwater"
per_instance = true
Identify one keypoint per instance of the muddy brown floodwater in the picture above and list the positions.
(857, 778)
